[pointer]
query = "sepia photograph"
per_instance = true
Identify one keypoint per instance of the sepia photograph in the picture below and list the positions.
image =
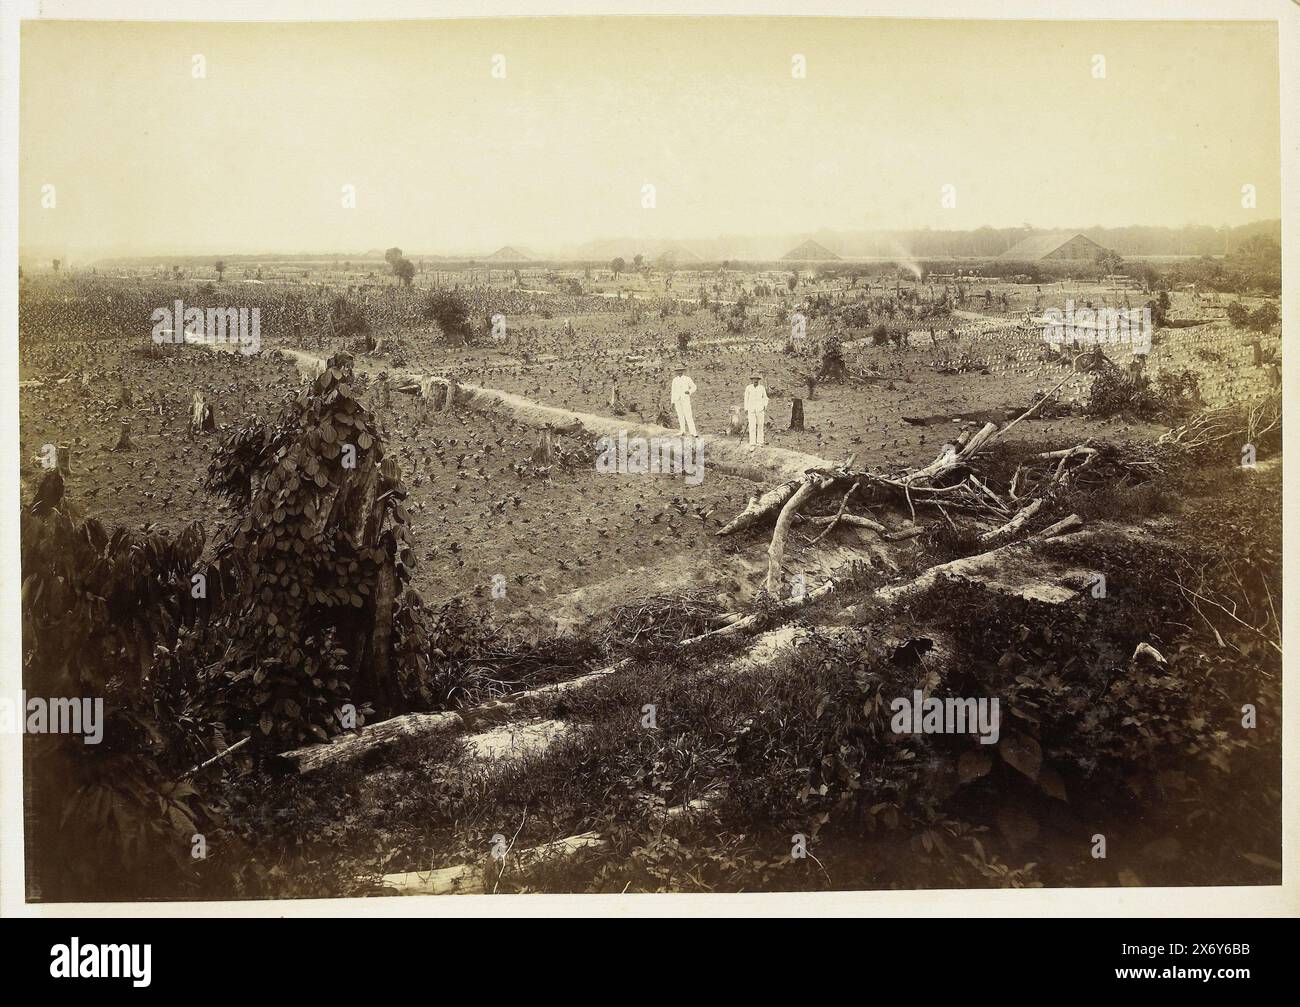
(609, 454)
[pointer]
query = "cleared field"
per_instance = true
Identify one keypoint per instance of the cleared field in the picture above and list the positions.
(570, 541)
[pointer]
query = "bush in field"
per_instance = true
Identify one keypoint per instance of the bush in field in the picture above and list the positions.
(856, 315)
(882, 334)
(1159, 308)
(1178, 391)
(1263, 318)
(737, 317)
(1238, 315)
(1114, 393)
(312, 566)
(451, 313)
(348, 319)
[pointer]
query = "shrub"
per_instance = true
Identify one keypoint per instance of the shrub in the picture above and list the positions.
(449, 310)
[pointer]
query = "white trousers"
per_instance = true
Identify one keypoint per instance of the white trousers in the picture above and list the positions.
(756, 422)
(685, 417)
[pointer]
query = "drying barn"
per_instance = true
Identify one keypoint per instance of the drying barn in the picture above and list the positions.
(1061, 246)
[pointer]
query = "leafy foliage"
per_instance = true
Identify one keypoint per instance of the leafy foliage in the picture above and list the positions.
(311, 569)
(96, 609)
(451, 313)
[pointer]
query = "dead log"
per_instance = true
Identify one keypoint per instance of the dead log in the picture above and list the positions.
(856, 520)
(481, 878)
(751, 621)
(838, 514)
(348, 747)
(1068, 524)
(917, 482)
(499, 711)
(952, 459)
(902, 533)
(472, 879)
(776, 549)
(217, 758)
(759, 507)
(1014, 525)
(997, 500)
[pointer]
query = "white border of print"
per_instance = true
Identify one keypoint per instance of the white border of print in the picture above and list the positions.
(1229, 902)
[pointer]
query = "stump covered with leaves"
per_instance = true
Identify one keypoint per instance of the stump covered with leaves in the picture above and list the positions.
(313, 564)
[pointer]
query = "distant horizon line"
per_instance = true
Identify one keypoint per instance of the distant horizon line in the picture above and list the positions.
(634, 246)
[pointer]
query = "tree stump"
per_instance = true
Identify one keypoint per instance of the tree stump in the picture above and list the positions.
(544, 454)
(202, 419)
(64, 459)
(796, 414)
(124, 438)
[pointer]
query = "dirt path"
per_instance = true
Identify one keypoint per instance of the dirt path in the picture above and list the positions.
(762, 465)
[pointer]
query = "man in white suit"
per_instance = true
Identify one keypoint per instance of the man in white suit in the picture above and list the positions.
(682, 390)
(756, 409)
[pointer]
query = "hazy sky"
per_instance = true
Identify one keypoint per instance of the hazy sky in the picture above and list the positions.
(447, 158)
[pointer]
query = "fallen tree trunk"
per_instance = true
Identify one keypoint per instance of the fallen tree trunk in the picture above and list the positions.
(917, 486)
(348, 747)
(760, 506)
(838, 514)
(856, 520)
(1061, 527)
(751, 621)
(776, 548)
(1015, 524)
(482, 878)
